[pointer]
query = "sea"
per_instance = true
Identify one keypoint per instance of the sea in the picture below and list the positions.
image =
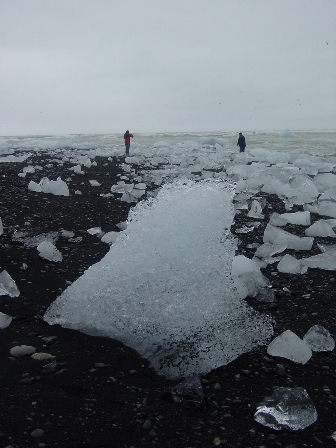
(317, 142)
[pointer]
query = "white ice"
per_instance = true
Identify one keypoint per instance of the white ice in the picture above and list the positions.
(288, 345)
(298, 218)
(276, 236)
(255, 210)
(49, 251)
(165, 287)
(57, 187)
(291, 265)
(8, 285)
(326, 260)
(320, 228)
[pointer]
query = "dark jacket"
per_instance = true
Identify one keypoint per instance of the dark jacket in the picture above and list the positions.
(241, 142)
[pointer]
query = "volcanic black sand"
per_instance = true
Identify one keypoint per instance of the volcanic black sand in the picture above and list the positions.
(100, 393)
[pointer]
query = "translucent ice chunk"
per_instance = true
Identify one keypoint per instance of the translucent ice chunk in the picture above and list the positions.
(255, 211)
(242, 264)
(320, 228)
(57, 187)
(319, 339)
(300, 218)
(288, 345)
(8, 285)
(257, 286)
(287, 408)
(94, 183)
(5, 320)
(291, 265)
(32, 239)
(49, 251)
(277, 236)
(165, 287)
(325, 181)
(277, 220)
(329, 195)
(323, 208)
(301, 190)
(267, 250)
(110, 237)
(326, 260)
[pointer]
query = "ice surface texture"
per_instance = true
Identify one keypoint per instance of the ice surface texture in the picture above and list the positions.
(287, 408)
(165, 287)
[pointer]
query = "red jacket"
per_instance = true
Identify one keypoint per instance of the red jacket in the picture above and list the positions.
(128, 138)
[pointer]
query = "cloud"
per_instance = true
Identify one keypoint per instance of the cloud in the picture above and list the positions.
(98, 66)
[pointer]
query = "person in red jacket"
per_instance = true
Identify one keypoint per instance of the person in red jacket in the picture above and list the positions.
(127, 137)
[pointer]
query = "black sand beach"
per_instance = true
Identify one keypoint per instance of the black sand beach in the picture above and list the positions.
(100, 393)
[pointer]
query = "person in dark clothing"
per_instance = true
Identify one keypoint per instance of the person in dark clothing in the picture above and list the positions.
(127, 137)
(241, 142)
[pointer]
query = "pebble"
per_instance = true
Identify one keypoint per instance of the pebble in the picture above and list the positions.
(37, 433)
(217, 386)
(147, 424)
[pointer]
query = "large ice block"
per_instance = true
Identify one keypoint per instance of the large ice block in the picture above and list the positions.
(276, 236)
(165, 287)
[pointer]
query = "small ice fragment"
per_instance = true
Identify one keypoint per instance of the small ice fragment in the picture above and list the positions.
(300, 218)
(288, 345)
(319, 339)
(8, 285)
(22, 350)
(95, 231)
(256, 210)
(122, 225)
(67, 233)
(33, 186)
(110, 237)
(275, 235)
(277, 220)
(326, 260)
(1, 227)
(5, 320)
(242, 264)
(94, 183)
(286, 408)
(291, 265)
(320, 228)
(267, 250)
(48, 251)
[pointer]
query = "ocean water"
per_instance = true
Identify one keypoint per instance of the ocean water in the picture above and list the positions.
(320, 143)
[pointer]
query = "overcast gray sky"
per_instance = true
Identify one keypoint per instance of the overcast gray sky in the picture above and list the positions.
(104, 66)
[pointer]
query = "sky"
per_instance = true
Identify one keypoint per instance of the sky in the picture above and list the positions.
(104, 66)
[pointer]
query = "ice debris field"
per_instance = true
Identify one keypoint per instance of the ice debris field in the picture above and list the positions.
(171, 286)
